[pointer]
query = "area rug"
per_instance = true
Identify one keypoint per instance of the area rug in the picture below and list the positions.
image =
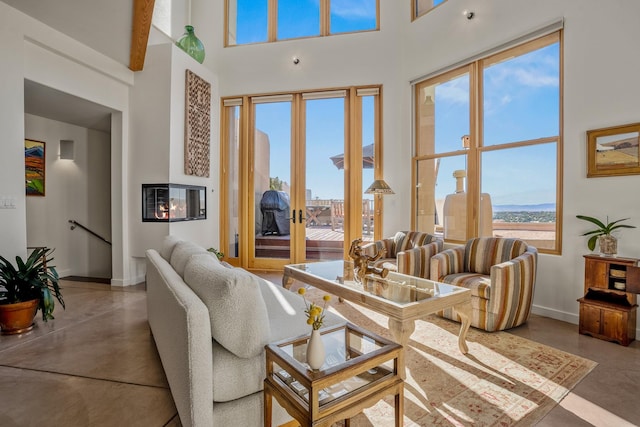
(504, 380)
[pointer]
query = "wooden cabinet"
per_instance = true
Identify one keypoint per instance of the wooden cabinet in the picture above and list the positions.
(608, 308)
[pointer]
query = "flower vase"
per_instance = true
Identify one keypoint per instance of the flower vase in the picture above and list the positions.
(191, 44)
(315, 350)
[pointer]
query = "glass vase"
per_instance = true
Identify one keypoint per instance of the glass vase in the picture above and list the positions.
(191, 44)
(315, 350)
(608, 245)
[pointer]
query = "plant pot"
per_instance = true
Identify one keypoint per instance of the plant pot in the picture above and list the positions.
(608, 245)
(17, 318)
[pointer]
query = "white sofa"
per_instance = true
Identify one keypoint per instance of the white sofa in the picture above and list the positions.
(210, 322)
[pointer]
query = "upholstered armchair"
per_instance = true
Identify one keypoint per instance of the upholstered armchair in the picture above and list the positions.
(408, 252)
(501, 274)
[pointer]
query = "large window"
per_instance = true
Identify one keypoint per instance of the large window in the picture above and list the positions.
(488, 152)
(256, 21)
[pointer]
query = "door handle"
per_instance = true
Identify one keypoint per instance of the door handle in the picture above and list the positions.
(293, 216)
(300, 216)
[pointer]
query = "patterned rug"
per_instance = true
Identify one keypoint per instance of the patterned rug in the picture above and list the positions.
(504, 380)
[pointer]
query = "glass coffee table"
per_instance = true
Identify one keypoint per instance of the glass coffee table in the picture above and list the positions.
(360, 369)
(402, 298)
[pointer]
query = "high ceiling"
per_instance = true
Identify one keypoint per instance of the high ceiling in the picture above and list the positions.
(102, 25)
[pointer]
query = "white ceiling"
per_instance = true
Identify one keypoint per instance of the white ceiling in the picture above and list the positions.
(105, 26)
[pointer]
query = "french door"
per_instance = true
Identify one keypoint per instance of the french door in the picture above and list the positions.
(298, 192)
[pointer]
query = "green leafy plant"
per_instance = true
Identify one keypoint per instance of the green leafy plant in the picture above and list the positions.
(216, 252)
(34, 278)
(603, 229)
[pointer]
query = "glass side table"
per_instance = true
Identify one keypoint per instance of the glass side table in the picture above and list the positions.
(360, 368)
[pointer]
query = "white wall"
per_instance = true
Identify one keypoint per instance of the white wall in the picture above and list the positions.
(31, 50)
(600, 74)
(158, 112)
(78, 189)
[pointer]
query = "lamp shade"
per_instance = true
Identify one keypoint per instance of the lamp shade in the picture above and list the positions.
(379, 186)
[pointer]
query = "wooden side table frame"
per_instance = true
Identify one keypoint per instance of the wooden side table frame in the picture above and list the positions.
(370, 368)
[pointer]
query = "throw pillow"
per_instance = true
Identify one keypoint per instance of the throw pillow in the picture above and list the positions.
(181, 254)
(168, 245)
(238, 314)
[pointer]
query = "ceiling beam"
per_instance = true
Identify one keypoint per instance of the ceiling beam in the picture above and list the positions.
(142, 15)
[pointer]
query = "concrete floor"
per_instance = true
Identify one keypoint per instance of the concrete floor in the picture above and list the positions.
(96, 365)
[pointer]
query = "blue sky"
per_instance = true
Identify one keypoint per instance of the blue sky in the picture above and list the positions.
(521, 103)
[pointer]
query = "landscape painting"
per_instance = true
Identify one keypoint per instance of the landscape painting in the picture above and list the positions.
(613, 151)
(34, 161)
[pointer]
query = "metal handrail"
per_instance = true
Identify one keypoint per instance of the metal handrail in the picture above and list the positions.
(75, 224)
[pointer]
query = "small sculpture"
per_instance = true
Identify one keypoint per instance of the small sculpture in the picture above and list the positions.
(361, 261)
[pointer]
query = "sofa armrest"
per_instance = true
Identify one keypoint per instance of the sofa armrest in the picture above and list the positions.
(181, 329)
(371, 249)
(417, 261)
(449, 261)
(512, 286)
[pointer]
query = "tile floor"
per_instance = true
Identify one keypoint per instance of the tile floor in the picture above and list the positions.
(96, 365)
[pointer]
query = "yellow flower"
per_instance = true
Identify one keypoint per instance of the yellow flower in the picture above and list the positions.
(315, 313)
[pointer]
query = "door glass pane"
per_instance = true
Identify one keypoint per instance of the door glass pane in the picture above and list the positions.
(521, 184)
(272, 180)
(233, 195)
(324, 179)
(247, 21)
(353, 15)
(522, 97)
(298, 18)
(441, 199)
(443, 116)
(368, 162)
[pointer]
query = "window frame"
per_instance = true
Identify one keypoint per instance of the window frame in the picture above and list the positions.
(475, 68)
(272, 23)
(414, 9)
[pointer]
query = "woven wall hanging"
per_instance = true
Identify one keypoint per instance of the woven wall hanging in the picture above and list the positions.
(197, 126)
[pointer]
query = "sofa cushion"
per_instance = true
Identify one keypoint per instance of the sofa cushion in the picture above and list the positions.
(168, 245)
(238, 314)
(181, 254)
(235, 377)
(483, 252)
(479, 284)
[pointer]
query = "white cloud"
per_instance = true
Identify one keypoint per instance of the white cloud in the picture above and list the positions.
(454, 91)
(354, 8)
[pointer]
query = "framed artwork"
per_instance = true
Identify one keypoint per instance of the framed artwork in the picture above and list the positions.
(34, 165)
(613, 151)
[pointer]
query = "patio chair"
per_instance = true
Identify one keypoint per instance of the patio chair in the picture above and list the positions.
(337, 214)
(501, 274)
(408, 252)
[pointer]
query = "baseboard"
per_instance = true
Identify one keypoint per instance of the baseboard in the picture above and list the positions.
(555, 314)
(130, 282)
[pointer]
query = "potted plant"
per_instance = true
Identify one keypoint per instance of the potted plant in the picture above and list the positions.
(25, 289)
(216, 252)
(608, 243)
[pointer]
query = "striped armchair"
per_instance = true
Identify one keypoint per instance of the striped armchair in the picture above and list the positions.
(408, 252)
(501, 274)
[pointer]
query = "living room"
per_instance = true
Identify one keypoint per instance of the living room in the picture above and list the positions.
(599, 72)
